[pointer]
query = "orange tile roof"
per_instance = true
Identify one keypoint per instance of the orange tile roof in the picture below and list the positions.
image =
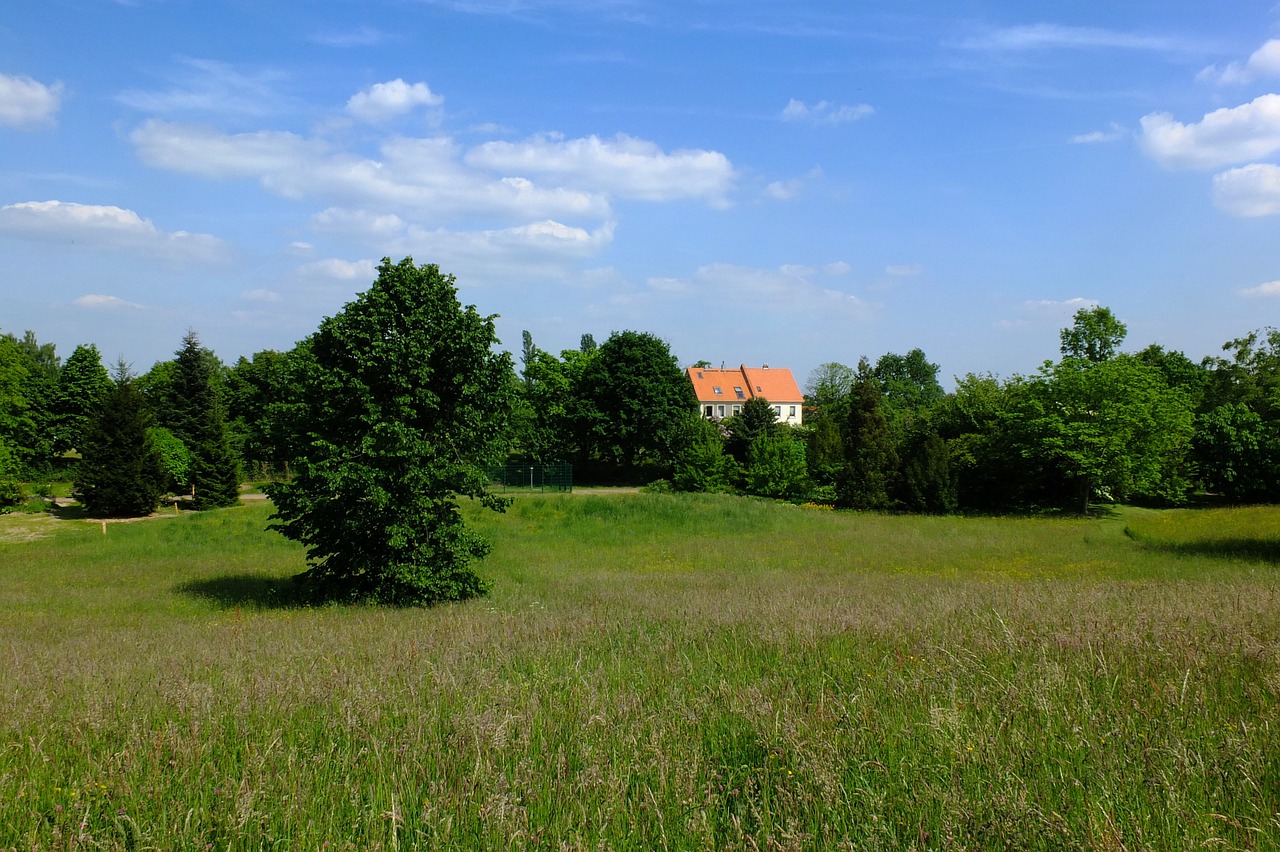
(775, 385)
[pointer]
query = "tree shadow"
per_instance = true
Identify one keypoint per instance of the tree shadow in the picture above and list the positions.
(1251, 549)
(246, 591)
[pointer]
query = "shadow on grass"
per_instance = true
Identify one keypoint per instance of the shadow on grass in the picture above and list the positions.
(1260, 549)
(1253, 549)
(246, 590)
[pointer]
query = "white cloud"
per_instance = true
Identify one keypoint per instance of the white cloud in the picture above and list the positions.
(425, 175)
(205, 85)
(341, 270)
(1111, 134)
(102, 302)
(904, 270)
(825, 112)
(27, 103)
(364, 36)
(623, 166)
(791, 289)
(546, 244)
(1250, 191)
(1270, 290)
(784, 190)
(385, 101)
(104, 227)
(1037, 312)
(260, 295)
(1263, 64)
(1057, 36)
(1223, 137)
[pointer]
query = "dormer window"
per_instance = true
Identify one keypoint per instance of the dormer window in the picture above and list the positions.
(739, 392)
(716, 390)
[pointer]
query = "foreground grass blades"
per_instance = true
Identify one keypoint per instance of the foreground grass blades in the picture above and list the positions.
(653, 672)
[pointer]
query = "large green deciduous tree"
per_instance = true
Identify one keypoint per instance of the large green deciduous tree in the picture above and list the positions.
(404, 403)
(1095, 335)
(1113, 427)
(82, 383)
(634, 397)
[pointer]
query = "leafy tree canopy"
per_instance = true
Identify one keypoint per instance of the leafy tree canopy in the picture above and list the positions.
(405, 403)
(634, 394)
(1095, 335)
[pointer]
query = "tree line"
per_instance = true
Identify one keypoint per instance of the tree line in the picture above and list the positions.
(373, 426)
(1150, 426)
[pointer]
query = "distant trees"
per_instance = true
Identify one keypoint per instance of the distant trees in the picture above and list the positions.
(871, 460)
(403, 405)
(1098, 424)
(612, 409)
(633, 398)
(81, 384)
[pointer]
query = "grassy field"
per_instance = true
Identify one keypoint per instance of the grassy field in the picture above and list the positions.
(682, 672)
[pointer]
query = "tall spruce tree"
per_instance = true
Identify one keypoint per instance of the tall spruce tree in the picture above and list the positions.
(871, 461)
(199, 421)
(120, 472)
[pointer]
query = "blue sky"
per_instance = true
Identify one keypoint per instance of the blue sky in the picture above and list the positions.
(755, 181)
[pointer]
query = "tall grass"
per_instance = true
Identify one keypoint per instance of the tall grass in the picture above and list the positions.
(653, 671)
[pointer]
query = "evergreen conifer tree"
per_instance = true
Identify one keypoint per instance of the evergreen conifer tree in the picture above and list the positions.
(199, 421)
(120, 473)
(871, 460)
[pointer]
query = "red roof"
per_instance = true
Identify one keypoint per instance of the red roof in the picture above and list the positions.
(775, 385)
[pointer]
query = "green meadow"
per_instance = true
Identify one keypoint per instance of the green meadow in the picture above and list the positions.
(652, 672)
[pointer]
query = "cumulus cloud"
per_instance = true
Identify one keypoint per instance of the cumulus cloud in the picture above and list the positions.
(1270, 290)
(102, 302)
(1223, 137)
(341, 270)
(426, 175)
(104, 227)
(623, 166)
(825, 112)
(1250, 191)
(26, 103)
(385, 101)
(1263, 64)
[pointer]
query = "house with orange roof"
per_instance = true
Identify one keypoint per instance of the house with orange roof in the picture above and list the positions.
(722, 393)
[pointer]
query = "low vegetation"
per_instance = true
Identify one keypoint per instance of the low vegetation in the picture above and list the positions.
(652, 671)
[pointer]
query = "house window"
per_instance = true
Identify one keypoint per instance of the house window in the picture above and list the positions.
(739, 392)
(716, 390)
(737, 409)
(707, 413)
(777, 409)
(722, 411)
(793, 411)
